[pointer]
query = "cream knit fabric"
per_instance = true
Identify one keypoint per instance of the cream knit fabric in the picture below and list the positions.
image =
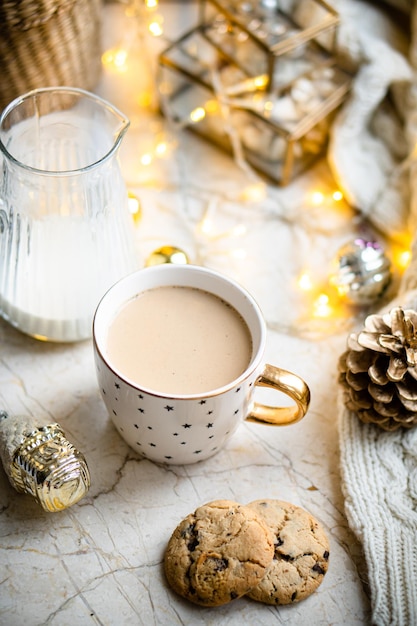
(370, 151)
(379, 469)
(379, 476)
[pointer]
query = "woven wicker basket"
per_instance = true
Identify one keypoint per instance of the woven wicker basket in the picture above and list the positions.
(47, 43)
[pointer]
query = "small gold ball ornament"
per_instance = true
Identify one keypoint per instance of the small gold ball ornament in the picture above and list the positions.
(167, 254)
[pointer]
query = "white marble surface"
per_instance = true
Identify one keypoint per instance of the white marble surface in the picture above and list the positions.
(100, 562)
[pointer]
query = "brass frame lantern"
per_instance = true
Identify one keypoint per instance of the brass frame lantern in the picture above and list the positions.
(279, 132)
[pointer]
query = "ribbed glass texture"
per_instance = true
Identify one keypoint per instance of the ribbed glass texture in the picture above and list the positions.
(65, 231)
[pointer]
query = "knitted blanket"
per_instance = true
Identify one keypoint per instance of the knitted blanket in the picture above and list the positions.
(379, 474)
(373, 156)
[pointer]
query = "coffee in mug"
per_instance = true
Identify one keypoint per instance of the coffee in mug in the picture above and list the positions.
(179, 353)
(179, 340)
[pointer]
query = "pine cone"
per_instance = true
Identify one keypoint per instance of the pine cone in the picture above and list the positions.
(378, 371)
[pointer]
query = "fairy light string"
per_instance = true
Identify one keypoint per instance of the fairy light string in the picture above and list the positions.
(321, 304)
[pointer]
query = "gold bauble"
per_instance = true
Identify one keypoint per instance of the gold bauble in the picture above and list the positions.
(167, 254)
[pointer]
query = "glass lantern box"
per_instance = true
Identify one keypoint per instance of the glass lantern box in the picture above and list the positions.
(260, 35)
(278, 123)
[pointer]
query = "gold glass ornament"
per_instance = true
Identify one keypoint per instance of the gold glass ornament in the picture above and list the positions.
(41, 462)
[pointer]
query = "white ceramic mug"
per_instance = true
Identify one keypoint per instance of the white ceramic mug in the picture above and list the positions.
(183, 429)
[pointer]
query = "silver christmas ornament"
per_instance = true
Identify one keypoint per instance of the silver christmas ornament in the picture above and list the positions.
(362, 272)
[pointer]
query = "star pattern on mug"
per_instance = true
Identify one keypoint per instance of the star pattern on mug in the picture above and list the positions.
(186, 433)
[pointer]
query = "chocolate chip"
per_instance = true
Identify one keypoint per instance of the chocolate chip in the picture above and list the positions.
(191, 533)
(317, 568)
(220, 565)
(326, 555)
(293, 597)
(187, 531)
(193, 544)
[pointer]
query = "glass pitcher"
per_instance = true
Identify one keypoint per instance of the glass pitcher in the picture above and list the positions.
(65, 231)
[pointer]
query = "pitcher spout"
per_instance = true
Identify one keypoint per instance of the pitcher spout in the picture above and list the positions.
(120, 121)
(92, 127)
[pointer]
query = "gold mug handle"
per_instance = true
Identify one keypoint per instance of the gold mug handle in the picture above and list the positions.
(288, 383)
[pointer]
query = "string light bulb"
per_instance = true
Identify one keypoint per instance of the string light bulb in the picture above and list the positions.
(197, 114)
(212, 106)
(305, 282)
(317, 198)
(403, 259)
(254, 192)
(134, 206)
(115, 60)
(146, 159)
(161, 148)
(155, 27)
(321, 306)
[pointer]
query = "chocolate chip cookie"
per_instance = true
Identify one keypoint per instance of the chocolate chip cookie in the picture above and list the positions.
(218, 553)
(301, 553)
